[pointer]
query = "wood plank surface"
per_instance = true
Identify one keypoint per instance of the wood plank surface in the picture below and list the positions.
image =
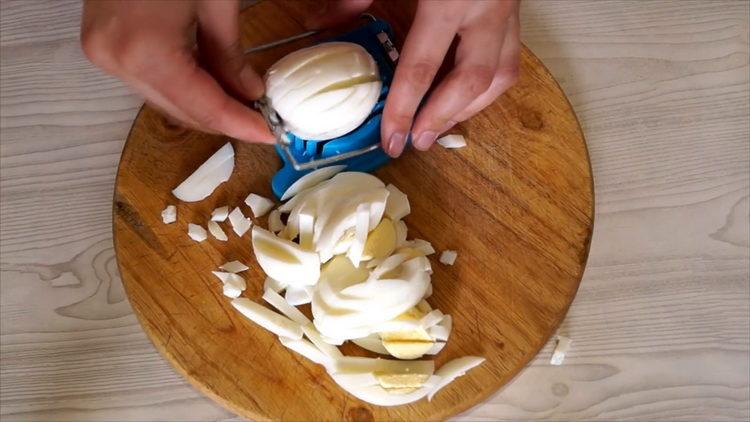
(660, 322)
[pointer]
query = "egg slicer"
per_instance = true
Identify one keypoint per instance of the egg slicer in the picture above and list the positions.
(359, 149)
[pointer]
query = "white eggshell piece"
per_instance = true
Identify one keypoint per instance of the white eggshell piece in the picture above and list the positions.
(240, 224)
(278, 302)
(234, 286)
(273, 284)
(197, 233)
(259, 205)
(268, 319)
(215, 171)
(422, 246)
(311, 179)
(284, 260)
(401, 233)
(448, 257)
(307, 350)
(431, 319)
(436, 348)
(275, 224)
(562, 347)
(371, 343)
(169, 214)
(306, 227)
(442, 330)
(360, 234)
(221, 275)
(216, 231)
(452, 370)
(397, 206)
(233, 267)
(220, 214)
(452, 141)
(314, 336)
(298, 295)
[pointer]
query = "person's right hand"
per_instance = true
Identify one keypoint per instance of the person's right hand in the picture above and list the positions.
(147, 43)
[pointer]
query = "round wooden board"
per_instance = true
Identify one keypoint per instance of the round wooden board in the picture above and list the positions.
(517, 205)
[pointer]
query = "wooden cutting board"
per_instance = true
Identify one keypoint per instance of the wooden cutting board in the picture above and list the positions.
(517, 205)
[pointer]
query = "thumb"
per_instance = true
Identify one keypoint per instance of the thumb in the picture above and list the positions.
(337, 12)
(220, 49)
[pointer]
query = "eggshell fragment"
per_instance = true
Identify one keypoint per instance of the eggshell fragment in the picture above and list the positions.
(442, 330)
(371, 343)
(284, 260)
(360, 234)
(311, 179)
(220, 214)
(397, 206)
(234, 286)
(314, 336)
(452, 141)
(278, 302)
(558, 356)
(448, 257)
(452, 370)
(223, 276)
(306, 227)
(307, 350)
(169, 214)
(401, 233)
(197, 232)
(234, 267)
(239, 223)
(215, 171)
(422, 246)
(275, 224)
(298, 295)
(273, 284)
(436, 348)
(268, 319)
(259, 205)
(216, 231)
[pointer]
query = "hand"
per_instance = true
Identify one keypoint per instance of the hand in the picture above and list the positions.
(147, 43)
(486, 65)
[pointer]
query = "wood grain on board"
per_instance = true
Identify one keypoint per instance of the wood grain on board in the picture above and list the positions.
(660, 322)
(517, 204)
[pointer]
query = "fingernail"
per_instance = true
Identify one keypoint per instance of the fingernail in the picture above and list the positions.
(396, 144)
(449, 124)
(425, 140)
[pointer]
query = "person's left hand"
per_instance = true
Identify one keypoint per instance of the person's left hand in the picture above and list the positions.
(486, 64)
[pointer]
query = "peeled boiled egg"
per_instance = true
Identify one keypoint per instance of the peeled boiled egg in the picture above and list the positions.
(324, 91)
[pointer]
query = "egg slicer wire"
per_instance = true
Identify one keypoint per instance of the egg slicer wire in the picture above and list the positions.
(359, 149)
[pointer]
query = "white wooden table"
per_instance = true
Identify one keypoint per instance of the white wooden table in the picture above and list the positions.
(660, 324)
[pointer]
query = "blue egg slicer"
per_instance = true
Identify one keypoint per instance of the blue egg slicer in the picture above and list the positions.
(359, 149)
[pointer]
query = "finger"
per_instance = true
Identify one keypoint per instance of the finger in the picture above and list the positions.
(476, 58)
(180, 83)
(425, 47)
(505, 76)
(337, 12)
(219, 46)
